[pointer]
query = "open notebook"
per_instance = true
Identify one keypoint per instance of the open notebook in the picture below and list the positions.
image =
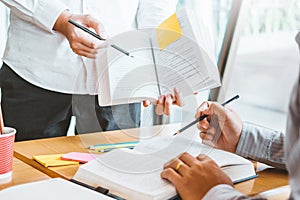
(135, 174)
(179, 52)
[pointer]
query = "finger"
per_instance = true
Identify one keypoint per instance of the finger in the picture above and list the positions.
(202, 157)
(91, 42)
(202, 135)
(212, 131)
(187, 158)
(168, 104)
(204, 124)
(205, 136)
(92, 22)
(159, 108)
(146, 103)
(103, 33)
(208, 140)
(200, 128)
(204, 106)
(178, 165)
(171, 176)
(215, 108)
(109, 42)
(86, 54)
(178, 97)
(80, 47)
(208, 143)
(170, 163)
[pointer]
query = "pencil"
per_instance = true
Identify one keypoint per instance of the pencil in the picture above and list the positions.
(98, 37)
(204, 116)
(1, 122)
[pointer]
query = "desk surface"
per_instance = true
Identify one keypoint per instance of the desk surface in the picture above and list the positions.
(268, 179)
(23, 173)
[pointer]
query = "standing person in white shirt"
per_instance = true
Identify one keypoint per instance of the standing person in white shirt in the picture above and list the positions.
(46, 61)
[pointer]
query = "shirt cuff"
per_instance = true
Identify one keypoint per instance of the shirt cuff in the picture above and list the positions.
(221, 192)
(47, 12)
(253, 144)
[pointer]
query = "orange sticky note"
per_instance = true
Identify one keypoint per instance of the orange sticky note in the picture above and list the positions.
(168, 31)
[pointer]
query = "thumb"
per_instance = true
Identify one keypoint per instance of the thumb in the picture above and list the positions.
(91, 22)
(210, 108)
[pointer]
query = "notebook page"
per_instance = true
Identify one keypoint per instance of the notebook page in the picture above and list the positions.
(131, 78)
(169, 146)
(184, 63)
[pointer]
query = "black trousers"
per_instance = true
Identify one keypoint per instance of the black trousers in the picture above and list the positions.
(38, 113)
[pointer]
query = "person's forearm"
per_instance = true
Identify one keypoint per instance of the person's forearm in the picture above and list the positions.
(60, 24)
(262, 144)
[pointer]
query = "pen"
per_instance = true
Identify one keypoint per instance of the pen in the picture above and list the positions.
(113, 144)
(113, 147)
(204, 116)
(98, 37)
(110, 149)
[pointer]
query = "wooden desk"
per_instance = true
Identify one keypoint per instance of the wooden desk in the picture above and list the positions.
(23, 173)
(267, 179)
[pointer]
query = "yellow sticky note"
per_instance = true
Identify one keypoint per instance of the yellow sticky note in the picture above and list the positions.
(168, 31)
(53, 160)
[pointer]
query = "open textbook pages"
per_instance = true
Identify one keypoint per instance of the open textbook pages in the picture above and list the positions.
(135, 174)
(179, 53)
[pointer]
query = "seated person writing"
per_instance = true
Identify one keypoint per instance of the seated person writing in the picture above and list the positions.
(201, 178)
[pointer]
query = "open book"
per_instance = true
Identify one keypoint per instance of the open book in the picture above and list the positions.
(135, 174)
(56, 188)
(179, 53)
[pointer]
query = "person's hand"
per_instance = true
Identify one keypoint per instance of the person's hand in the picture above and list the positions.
(165, 102)
(222, 128)
(81, 42)
(195, 176)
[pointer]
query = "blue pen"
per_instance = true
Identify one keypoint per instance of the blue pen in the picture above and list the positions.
(110, 149)
(113, 144)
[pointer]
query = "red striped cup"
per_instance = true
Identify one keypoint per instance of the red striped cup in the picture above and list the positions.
(6, 154)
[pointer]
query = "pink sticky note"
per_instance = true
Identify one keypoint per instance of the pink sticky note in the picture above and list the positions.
(80, 157)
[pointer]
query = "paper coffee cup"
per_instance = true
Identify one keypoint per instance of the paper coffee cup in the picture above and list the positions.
(6, 154)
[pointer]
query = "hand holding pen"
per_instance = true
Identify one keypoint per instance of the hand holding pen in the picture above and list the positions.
(98, 37)
(221, 127)
(203, 116)
(80, 42)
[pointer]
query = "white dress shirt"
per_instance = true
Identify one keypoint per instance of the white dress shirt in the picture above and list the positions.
(44, 58)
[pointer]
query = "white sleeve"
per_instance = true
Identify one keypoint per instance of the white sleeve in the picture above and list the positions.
(42, 13)
(152, 12)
